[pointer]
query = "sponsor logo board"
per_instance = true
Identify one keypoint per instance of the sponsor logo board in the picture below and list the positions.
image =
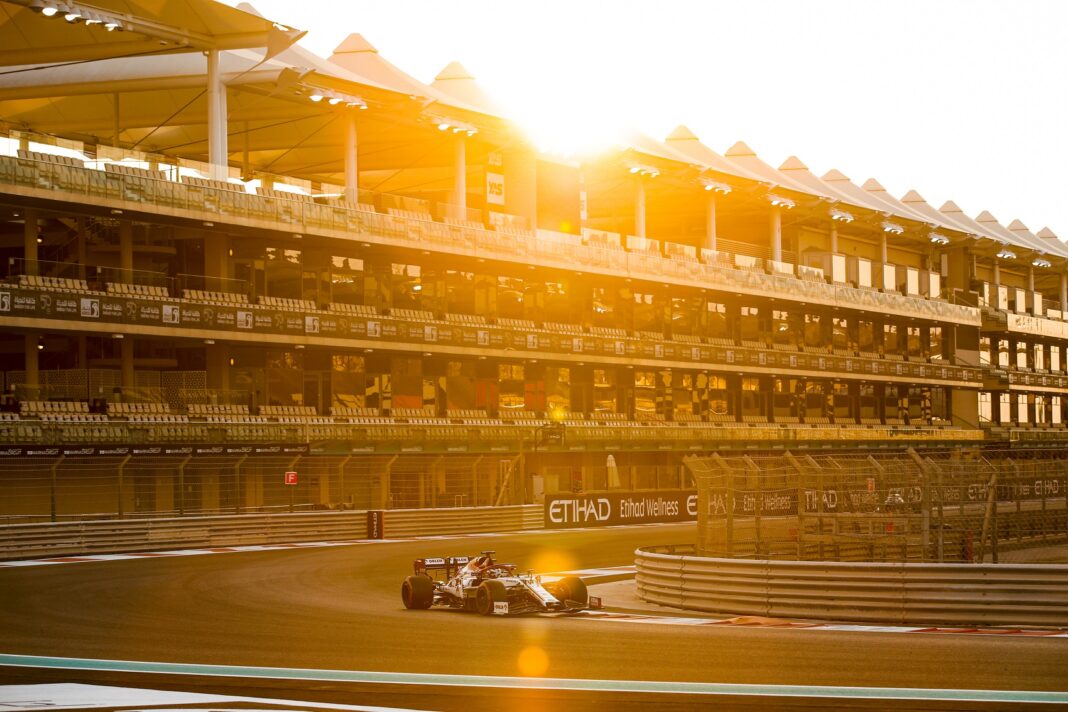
(564, 511)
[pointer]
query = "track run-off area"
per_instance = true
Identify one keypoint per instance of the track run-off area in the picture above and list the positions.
(326, 622)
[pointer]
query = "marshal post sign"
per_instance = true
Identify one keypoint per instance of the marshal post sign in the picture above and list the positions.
(565, 511)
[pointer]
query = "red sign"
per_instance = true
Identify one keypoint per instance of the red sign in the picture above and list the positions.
(291, 478)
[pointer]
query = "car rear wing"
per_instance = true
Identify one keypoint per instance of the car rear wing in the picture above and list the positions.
(441, 569)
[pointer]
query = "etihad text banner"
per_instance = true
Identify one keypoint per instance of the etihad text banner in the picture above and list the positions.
(563, 511)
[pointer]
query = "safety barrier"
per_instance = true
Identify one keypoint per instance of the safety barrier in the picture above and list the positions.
(33, 541)
(922, 594)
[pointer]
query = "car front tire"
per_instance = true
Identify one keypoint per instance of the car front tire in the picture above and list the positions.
(488, 593)
(571, 588)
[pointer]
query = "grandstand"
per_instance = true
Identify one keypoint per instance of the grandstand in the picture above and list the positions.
(190, 311)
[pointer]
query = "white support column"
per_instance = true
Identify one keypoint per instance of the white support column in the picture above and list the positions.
(776, 234)
(834, 239)
(639, 206)
(29, 241)
(710, 222)
(1064, 295)
(352, 173)
(126, 260)
(997, 274)
(218, 151)
(1031, 278)
(459, 178)
(883, 252)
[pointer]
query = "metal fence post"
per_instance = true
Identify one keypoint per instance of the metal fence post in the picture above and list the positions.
(181, 485)
(52, 495)
(120, 509)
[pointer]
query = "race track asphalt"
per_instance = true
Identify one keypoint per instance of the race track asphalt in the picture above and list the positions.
(340, 608)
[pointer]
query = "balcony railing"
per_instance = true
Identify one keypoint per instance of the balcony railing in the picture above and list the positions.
(207, 200)
(364, 325)
(388, 436)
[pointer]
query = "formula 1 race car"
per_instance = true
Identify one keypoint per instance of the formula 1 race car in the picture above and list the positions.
(478, 583)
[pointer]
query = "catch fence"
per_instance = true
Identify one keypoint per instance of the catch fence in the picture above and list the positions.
(906, 506)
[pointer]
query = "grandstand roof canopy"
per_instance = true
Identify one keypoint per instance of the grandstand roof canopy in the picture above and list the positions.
(159, 103)
(359, 56)
(746, 158)
(30, 33)
(799, 173)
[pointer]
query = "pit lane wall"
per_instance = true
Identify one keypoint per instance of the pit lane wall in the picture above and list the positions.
(884, 593)
(56, 539)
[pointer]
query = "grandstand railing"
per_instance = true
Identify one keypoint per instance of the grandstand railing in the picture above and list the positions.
(389, 435)
(37, 302)
(134, 191)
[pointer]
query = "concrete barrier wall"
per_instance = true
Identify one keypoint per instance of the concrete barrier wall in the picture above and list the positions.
(32, 541)
(903, 593)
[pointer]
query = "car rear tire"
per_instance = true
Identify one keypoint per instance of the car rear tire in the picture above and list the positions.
(571, 588)
(488, 593)
(417, 592)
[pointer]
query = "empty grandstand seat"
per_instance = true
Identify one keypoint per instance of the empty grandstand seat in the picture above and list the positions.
(413, 315)
(562, 328)
(36, 409)
(137, 290)
(286, 303)
(201, 410)
(350, 412)
(608, 331)
(365, 310)
(53, 284)
(52, 158)
(467, 319)
(410, 214)
(213, 184)
(510, 323)
(217, 298)
(288, 411)
(506, 415)
(276, 194)
(412, 413)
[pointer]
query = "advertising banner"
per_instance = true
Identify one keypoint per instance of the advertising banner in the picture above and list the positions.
(150, 450)
(565, 511)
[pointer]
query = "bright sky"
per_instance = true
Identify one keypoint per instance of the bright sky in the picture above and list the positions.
(960, 99)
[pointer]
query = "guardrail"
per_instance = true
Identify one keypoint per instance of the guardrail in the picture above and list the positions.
(921, 594)
(46, 540)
